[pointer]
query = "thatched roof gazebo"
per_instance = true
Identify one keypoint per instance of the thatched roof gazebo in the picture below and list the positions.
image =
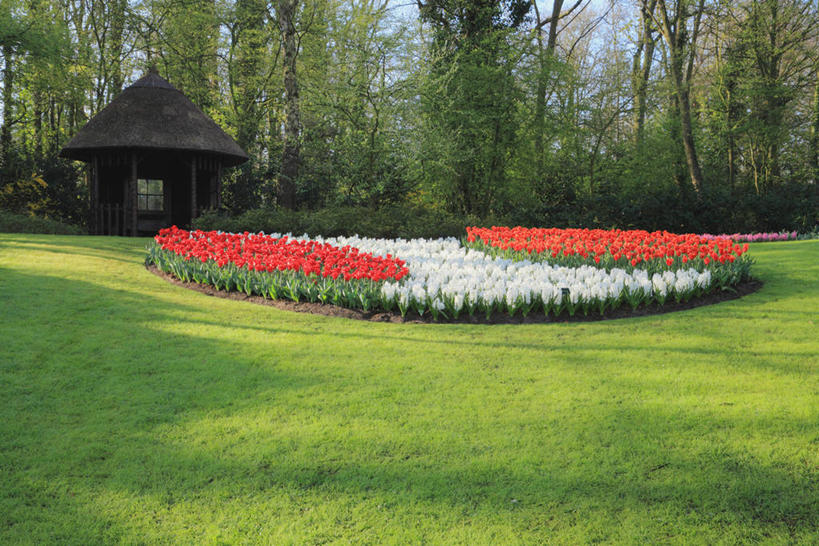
(154, 158)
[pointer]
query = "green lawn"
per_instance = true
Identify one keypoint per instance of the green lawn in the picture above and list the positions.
(135, 411)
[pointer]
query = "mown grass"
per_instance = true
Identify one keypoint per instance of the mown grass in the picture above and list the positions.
(135, 411)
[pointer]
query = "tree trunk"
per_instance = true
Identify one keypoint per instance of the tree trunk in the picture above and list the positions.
(5, 129)
(637, 88)
(731, 115)
(732, 161)
(291, 154)
(681, 90)
(556, 7)
(688, 142)
(641, 70)
(540, 111)
(37, 100)
(544, 54)
(680, 46)
(814, 133)
(117, 30)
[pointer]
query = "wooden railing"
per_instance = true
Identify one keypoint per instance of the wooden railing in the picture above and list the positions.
(110, 219)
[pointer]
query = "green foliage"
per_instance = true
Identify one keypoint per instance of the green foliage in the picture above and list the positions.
(468, 101)
(357, 106)
(791, 207)
(25, 223)
(463, 20)
(24, 196)
(53, 193)
(30, 32)
(460, 108)
(397, 221)
(189, 52)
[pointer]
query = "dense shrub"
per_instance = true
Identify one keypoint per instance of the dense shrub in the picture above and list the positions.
(659, 209)
(784, 207)
(49, 190)
(393, 222)
(20, 223)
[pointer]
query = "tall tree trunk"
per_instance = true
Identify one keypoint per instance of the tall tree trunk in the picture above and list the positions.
(691, 159)
(540, 111)
(116, 51)
(37, 100)
(774, 103)
(636, 87)
(731, 147)
(552, 42)
(814, 133)
(246, 70)
(544, 54)
(673, 101)
(291, 159)
(8, 94)
(732, 114)
(641, 69)
(681, 55)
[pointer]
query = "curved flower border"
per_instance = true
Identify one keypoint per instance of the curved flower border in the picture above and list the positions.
(441, 277)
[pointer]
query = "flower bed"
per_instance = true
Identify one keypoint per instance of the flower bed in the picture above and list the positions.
(443, 278)
(653, 252)
(448, 279)
(755, 237)
(275, 266)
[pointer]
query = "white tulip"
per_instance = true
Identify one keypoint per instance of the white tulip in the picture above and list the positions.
(441, 269)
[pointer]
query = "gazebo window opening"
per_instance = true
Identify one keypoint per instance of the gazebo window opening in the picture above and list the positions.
(151, 194)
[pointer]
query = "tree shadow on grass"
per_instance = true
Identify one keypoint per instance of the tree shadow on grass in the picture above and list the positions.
(113, 401)
(82, 382)
(711, 344)
(631, 460)
(707, 347)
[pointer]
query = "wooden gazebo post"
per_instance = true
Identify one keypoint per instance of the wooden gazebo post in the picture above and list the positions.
(219, 184)
(95, 196)
(193, 189)
(133, 192)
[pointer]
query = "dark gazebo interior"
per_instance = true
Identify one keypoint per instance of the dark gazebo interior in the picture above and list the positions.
(154, 160)
(164, 192)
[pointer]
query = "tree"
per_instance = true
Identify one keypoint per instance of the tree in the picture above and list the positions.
(188, 49)
(679, 25)
(779, 39)
(286, 11)
(545, 58)
(19, 36)
(542, 112)
(250, 68)
(642, 61)
(469, 100)
(814, 132)
(355, 127)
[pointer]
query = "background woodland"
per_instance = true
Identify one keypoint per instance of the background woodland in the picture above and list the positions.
(686, 115)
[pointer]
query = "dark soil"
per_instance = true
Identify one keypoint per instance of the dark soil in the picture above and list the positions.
(624, 311)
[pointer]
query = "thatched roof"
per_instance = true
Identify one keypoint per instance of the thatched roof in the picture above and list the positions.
(152, 114)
